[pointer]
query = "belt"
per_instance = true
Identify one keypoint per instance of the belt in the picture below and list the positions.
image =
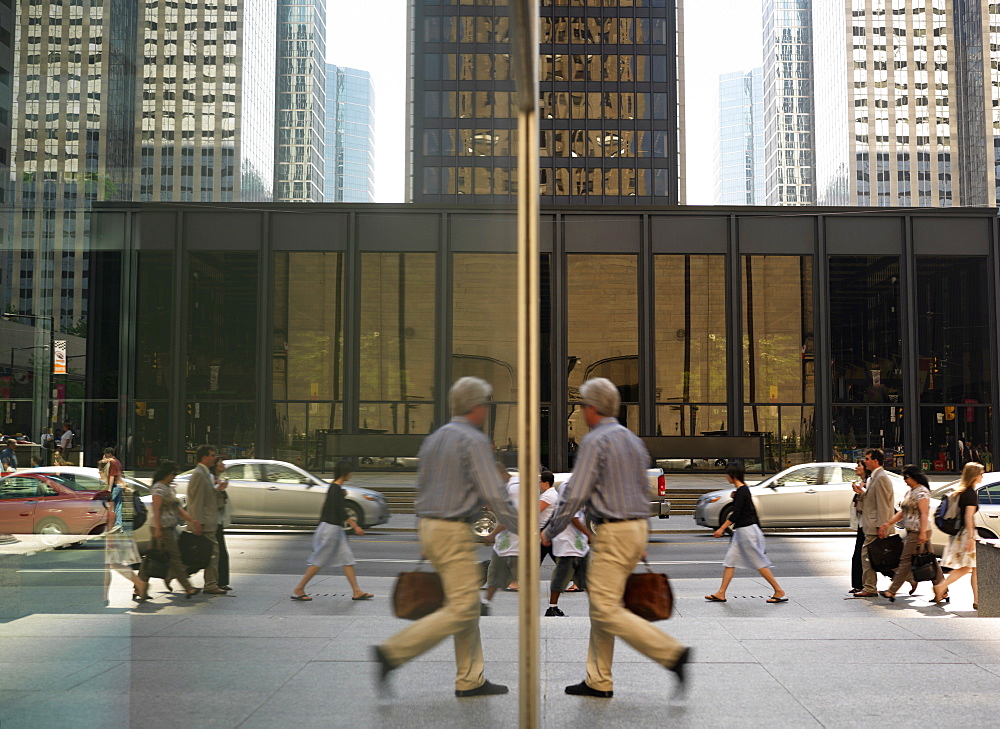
(604, 520)
(463, 519)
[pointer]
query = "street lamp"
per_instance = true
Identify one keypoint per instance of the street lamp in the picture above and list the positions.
(52, 351)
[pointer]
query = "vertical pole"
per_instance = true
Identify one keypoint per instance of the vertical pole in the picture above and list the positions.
(524, 50)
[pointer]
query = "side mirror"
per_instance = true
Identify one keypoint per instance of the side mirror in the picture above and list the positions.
(773, 486)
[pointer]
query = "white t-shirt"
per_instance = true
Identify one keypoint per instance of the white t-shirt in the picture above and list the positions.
(570, 542)
(66, 441)
(507, 543)
(550, 496)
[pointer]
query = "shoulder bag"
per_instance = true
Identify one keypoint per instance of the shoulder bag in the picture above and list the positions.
(648, 594)
(156, 562)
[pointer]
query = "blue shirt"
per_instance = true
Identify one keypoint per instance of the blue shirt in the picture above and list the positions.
(609, 478)
(9, 459)
(457, 474)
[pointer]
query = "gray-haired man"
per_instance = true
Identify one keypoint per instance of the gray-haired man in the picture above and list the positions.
(456, 455)
(610, 479)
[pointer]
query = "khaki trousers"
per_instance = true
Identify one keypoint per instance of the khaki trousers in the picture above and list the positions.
(450, 547)
(868, 575)
(614, 553)
(212, 571)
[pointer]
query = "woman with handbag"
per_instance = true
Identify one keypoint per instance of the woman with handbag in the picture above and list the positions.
(914, 512)
(167, 513)
(960, 554)
(747, 546)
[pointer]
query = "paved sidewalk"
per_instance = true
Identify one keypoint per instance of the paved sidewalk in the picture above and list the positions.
(258, 659)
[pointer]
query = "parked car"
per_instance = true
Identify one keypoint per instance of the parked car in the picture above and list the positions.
(659, 506)
(53, 504)
(987, 518)
(806, 495)
(89, 479)
(275, 492)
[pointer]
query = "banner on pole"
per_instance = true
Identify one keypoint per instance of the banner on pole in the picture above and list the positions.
(59, 357)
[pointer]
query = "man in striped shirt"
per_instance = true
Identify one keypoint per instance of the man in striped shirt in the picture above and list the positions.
(457, 474)
(610, 479)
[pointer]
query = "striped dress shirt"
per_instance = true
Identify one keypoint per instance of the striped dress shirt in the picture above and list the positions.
(609, 478)
(457, 474)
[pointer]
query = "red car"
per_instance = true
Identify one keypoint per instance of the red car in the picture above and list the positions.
(35, 503)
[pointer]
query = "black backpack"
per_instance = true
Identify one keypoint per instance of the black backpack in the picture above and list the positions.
(949, 526)
(139, 511)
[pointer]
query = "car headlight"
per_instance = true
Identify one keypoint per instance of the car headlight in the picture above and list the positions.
(370, 498)
(712, 499)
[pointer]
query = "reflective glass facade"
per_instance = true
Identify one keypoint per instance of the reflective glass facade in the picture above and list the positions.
(610, 131)
(354, 320)
(301, 100)
(739, 144)
(350, 136)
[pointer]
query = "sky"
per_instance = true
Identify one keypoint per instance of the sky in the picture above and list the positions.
(720, 36)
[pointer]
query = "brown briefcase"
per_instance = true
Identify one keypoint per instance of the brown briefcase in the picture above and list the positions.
(417, 594)
(648, 594)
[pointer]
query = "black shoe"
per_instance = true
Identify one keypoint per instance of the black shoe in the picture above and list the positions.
(554, 612)
(484, 609)
(678, 669)
(487, 689)
(582, 689)
(384, 666)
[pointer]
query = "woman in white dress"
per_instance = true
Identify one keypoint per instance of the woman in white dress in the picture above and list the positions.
(960, 554)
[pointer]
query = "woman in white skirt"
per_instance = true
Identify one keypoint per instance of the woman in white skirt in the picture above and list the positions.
(747, 546)
(960, 553)
(330, 548)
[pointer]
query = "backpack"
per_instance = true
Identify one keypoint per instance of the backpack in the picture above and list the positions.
(140, 512)
(950, 525)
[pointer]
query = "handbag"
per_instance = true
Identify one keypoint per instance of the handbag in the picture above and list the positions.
(156, 562)
(925, 565)
(417, 594)
(196, 551)
(884, 554)
(648, 594)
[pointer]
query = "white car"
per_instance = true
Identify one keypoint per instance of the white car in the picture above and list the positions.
(987, 518)
(807, 495)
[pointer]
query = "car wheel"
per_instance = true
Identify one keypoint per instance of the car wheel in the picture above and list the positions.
(353, 511)
(52, 530)
(592, 524)
(724, 517)
(486, 523)
(985, 533)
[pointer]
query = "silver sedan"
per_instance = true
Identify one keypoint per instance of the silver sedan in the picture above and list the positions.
(275, 492)
(807, 495)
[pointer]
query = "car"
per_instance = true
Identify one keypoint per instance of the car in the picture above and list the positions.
(987, 518)
(275, 492)
(90, 479)
(806, 495)
(58, 506)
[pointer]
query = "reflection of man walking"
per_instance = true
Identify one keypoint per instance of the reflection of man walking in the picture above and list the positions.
(610, 478)
(456, 455)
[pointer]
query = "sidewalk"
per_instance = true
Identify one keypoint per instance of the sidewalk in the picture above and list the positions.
(258, 659)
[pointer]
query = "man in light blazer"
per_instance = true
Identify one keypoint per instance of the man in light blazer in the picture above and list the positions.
(878, 508)
(203, 505)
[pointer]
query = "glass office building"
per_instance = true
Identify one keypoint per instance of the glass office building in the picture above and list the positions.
(739, 142)
(350, 136)
(289, 330)
(301, 100)
(789, 143)
(610, 119)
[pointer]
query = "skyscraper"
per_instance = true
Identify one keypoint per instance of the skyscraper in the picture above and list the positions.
(789, 147)
(350, 136)
(301, 103)
(610, 123)
(739, 143)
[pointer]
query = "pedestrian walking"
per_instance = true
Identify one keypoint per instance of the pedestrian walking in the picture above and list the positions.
(547, 507)
(456, 475)
(878, 508)
(224, 520)
(746, 549)
(857, 505)
(914, 511)
(111, 474)
(203, 504)
(167, 514)
(570, 548)
(610, 480)
(8, 458)
(960, 553)
(120, 554)
(330, 548)
(502, 570)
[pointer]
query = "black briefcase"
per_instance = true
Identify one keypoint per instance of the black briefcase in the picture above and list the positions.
(884, 554)
(196, 551)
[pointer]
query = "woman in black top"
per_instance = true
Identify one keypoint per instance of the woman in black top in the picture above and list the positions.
(747, 546)
(960, 554)
(330, 542)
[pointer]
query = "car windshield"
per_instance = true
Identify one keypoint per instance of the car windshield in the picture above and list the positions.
(138, 486)
(942, 491)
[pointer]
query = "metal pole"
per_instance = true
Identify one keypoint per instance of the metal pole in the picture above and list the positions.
(524, 52)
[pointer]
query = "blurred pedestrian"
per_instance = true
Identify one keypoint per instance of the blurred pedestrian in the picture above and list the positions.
(570, 548)
(878, 508)
(8, 458)
(610, 479)
(546, 507)
(746, 549)
(203, 504)
(330, 548)
(914, 511)
(960, 553)
(502, 570)
(167, 513)
(120, 555)
(455, 476)
(857, 506)
(224, 517)
(111, 474)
